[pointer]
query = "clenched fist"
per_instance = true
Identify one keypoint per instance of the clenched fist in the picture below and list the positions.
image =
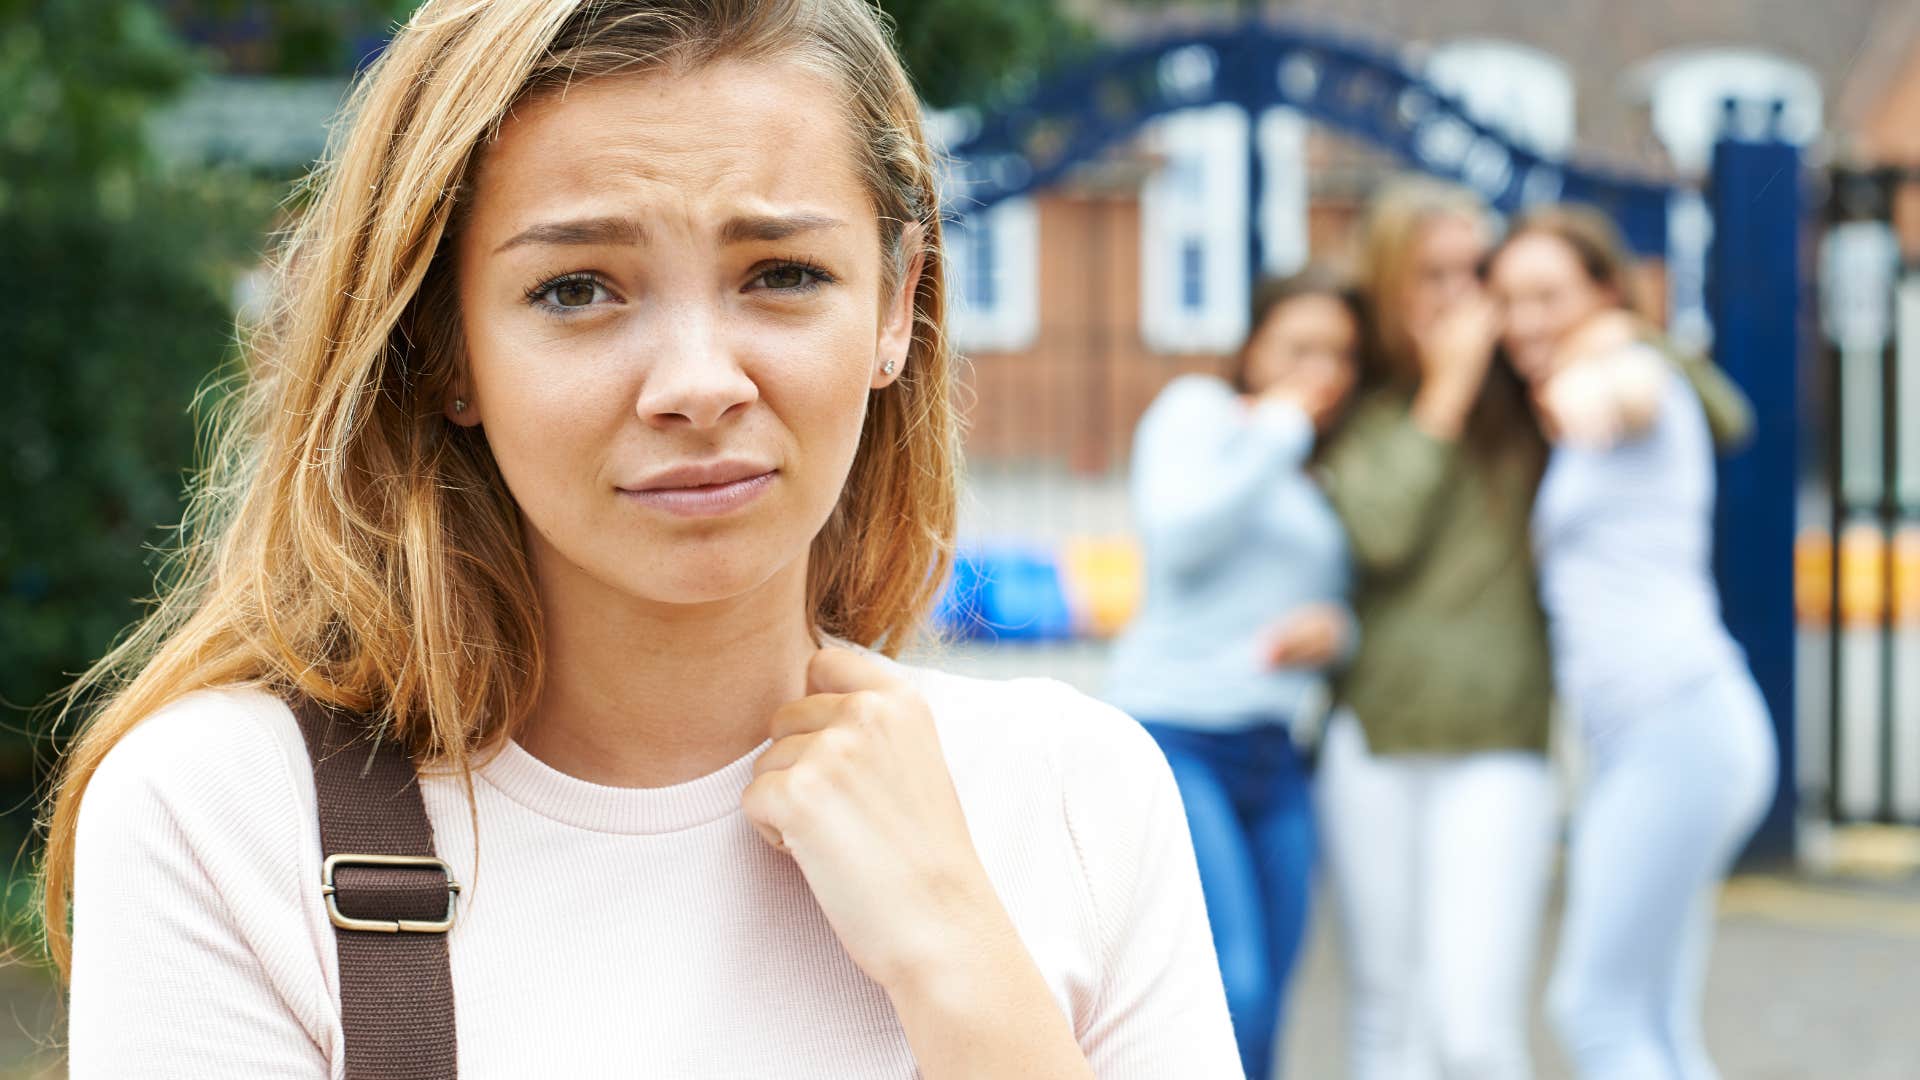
(855, 788)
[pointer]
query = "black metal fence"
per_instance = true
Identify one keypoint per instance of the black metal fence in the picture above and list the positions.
(1859, 556)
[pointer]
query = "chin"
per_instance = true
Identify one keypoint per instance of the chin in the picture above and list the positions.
(699, 573)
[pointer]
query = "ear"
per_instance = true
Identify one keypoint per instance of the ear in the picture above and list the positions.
(897, 318)
(460, 407)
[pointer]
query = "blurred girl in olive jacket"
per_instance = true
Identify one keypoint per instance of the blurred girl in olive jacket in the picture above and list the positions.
(1435, 800)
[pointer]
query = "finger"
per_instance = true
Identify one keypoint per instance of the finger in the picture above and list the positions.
(785, 751)
(765, 804)
(844, 671)
(1284, 649)
(1324, 648)
(773, 838)
(811, 713)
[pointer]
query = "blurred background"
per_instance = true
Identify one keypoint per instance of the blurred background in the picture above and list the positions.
(1121, 172)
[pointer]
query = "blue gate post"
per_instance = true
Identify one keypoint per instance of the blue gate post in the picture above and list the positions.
(1756, 296)
(1244, 80)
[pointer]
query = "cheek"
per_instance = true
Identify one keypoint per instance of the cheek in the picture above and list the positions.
(1575, 309)
(817, 386)
(1331, 374)
(1346, 375)
(553, 452)
(545, 402)
(1424, 301)
(1262, 368)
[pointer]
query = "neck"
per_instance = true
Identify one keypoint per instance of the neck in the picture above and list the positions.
(644, 694)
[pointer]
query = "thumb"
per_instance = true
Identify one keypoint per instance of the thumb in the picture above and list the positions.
(843, 671)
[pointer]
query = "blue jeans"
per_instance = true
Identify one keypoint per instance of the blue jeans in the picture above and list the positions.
(1250, 811)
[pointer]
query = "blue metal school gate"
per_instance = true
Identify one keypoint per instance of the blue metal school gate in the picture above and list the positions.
(1754, 289)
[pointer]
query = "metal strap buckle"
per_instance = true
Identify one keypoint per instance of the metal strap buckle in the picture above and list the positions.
(388, 926)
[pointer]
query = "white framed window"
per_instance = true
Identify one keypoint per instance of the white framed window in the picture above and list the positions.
(1193, 232)
(1686, 90)
(992, 258)
(993, 278)
(1281, 136)
(1521, 92)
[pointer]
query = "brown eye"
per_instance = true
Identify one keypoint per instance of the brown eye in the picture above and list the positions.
(785, 277)
(574, 293)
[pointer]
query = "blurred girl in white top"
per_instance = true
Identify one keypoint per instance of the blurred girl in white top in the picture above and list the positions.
(1681, 760)
(605, 382)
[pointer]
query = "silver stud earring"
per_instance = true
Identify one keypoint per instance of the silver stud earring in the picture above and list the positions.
(459, 404)
(886, 368)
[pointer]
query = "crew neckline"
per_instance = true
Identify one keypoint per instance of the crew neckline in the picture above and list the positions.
(583, 804)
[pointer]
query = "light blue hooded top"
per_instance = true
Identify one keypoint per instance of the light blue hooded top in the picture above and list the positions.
(1236, 535)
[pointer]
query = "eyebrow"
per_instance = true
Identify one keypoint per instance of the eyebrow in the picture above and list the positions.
(601, 230)
(767, 228)
(625, 231)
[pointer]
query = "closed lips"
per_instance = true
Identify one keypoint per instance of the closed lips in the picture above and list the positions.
(700, 476)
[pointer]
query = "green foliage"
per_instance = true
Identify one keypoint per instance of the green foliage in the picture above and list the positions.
(115, 279)
(293, 37)
(980, 51)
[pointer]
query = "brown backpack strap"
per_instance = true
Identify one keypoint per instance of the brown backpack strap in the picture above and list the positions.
(391, 901)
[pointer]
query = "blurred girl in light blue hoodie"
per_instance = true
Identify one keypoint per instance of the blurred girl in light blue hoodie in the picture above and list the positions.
(1245, 610)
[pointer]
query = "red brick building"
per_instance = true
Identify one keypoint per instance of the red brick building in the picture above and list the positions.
(1065, 382)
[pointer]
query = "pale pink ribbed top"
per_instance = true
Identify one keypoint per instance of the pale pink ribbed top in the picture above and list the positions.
(643, 932)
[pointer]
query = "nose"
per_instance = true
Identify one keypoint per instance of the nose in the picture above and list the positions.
(1525, 324)
(1527, 344)
(692, 377)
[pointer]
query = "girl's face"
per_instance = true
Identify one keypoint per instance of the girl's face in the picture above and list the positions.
(1544, 294)
(672, 297)
(1445, 269)
(1308, 345)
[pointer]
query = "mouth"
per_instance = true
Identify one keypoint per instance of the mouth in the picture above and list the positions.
(702, 491)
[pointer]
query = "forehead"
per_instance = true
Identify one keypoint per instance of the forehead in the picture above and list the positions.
(1536, 257)
(722, 138)
(1316, 310)
(1449, 233)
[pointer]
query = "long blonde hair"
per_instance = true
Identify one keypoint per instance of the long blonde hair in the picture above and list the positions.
(1389, 241)
(1501, 425)
(344, 542)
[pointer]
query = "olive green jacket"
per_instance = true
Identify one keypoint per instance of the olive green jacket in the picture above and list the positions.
(1453, 653)
(1729, 413)
(1453, 646)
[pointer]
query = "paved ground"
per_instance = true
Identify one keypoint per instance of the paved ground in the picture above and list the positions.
(1808, 982)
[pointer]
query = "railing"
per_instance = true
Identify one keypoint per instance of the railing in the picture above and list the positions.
(1858, 578)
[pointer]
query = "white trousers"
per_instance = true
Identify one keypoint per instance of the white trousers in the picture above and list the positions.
(1670, 797)
(1439, 867)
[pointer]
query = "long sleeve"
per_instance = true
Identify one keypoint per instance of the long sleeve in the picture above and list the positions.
(1201, 462)
(1161, 1010)
(192, 954)
(1384, 476)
